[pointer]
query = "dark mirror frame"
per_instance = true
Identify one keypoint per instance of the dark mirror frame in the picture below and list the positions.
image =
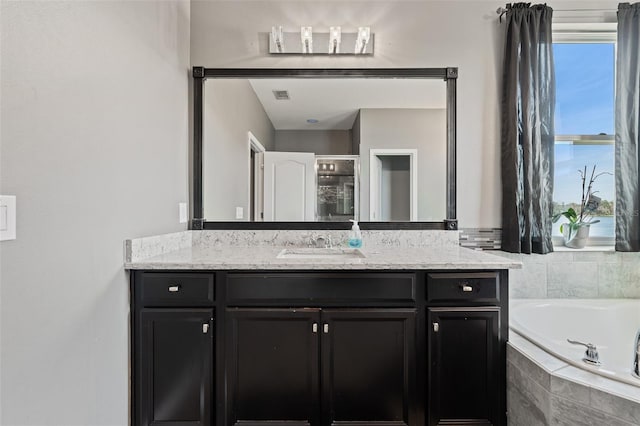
(200, 74)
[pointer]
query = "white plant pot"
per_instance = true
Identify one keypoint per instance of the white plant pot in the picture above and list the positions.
(578, 239)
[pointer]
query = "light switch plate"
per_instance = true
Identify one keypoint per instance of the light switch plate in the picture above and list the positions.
(7, 217)
(182, 207)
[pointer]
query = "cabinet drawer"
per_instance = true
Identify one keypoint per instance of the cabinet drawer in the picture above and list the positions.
(329, 289)
(175, 289)
(472, 287)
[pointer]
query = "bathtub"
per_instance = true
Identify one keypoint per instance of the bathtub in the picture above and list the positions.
(610, 324)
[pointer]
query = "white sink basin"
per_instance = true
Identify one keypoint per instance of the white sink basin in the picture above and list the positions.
(320, 253)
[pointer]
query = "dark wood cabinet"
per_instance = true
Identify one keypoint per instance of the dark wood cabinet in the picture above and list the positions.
(272, 366)
(174, 367)
(467, 329)
(365, 357)
(368, 367)
(319, 348)
(464, 373)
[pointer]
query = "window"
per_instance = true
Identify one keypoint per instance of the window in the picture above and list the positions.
(584, 121)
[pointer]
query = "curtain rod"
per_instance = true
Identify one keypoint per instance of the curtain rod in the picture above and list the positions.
(503, 10)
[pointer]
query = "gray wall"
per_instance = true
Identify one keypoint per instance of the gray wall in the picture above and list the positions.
(421, 129)
(320, 142)
(95, 148)
(94, 113)
(232, 109)
(465, 34)
(434, 33)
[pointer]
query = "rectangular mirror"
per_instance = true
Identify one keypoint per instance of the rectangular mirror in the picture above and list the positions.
(275, 148)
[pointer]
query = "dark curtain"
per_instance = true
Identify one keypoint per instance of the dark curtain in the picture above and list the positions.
(528, 102)
(628, 128)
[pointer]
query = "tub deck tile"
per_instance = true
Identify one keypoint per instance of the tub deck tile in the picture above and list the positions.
(542, 389)
(570, 389)
(599, 383)
(569, 413)
(524, 412)
(615, 405)
(535, 355)
(528, 390)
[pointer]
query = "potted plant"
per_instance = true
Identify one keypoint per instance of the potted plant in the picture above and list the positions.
(576, 231)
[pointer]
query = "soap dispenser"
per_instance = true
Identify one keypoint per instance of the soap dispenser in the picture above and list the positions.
(355, 236)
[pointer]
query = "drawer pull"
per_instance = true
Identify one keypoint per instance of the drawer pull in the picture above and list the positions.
(314, 327)
(205, 328)
(466, 288)
(326, 328)
(174, 288)
(436, 327)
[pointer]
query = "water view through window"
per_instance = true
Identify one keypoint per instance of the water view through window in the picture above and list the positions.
(584, 127)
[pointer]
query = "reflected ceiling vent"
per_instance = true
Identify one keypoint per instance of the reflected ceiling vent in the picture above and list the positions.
(281, 95)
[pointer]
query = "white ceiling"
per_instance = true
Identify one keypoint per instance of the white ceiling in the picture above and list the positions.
(335, 102)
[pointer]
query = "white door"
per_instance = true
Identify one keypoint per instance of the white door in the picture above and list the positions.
(289, 186)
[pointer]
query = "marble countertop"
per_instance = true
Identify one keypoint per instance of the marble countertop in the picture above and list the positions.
(377, 258)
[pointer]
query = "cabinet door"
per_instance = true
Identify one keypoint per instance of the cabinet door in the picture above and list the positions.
(175, 358)
(464, 366)
(368, 366)
(272, 366)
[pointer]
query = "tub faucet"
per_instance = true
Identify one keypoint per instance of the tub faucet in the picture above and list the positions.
(636, 358)
(590, 355)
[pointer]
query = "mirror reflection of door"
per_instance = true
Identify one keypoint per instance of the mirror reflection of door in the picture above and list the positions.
(337, 190)
(289, 186)
(393, 185)
(256, 178)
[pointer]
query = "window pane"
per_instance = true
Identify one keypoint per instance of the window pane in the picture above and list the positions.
(569, 158)
(584, 88)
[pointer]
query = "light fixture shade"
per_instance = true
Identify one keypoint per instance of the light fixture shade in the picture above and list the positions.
(306, 37)
(278, 38)
(328, 42)
(364, 34)
(335, 36)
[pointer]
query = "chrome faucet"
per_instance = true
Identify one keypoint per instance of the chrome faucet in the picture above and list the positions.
(321, 241)
(590, 355)
(636, 358)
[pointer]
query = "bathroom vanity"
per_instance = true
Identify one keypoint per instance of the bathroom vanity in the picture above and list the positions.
(235, 324)
(242, 337)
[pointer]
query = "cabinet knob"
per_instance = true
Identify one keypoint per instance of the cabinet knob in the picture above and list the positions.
(205, 328)
(466, 287)
(314, 327)
(436, 327)
(325, 328)
(174, 288)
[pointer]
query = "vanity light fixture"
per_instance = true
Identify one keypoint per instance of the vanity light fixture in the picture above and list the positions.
(277, 37)
(364, 34)
(331, 167)
(326, 43)
(334, 40)
(306, 37)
